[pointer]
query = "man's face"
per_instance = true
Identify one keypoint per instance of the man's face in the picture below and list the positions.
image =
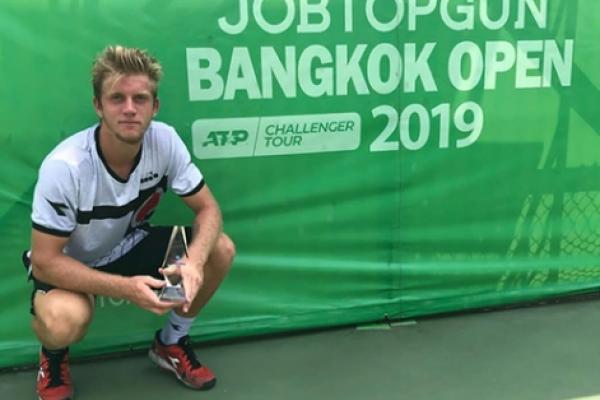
(126, 106)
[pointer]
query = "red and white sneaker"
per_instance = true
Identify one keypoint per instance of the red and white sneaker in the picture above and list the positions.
(54, 378)
(181, 360)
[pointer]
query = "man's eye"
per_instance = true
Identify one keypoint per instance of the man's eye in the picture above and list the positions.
(141, 98)
(116, 97)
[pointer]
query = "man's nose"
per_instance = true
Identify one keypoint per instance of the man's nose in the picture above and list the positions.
(129, 106)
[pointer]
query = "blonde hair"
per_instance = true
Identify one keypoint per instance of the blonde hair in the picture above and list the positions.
(119, 60)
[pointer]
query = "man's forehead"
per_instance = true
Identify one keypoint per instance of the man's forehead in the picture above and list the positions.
(138, 83)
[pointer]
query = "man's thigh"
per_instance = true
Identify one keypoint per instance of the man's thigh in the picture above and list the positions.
(143, 259)
(60, 302)
(146, 257)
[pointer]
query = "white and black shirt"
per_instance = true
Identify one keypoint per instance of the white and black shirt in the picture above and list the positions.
(78, 196)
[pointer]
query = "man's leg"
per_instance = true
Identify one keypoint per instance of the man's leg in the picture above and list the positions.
(172, 349)
(61, 318)
(215, 270)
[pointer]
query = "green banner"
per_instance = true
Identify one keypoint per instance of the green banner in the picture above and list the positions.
(372, 158)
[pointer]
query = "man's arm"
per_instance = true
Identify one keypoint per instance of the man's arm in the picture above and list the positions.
(206, 230)
(207, 226)
(52, 266)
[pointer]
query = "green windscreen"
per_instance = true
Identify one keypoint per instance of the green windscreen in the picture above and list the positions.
(372, 158)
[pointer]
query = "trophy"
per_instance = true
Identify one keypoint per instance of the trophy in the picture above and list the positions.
(175, 256)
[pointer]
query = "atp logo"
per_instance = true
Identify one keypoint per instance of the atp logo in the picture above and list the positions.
(222, 138)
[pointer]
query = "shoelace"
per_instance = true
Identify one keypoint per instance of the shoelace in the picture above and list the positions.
(189, 352)
(57, 370)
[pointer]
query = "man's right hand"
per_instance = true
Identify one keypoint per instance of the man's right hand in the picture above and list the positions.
(142, 293)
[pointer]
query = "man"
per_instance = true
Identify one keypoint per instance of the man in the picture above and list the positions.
(94, 195)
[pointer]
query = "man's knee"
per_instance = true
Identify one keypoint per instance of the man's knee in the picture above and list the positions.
(62, 319)
(224, 252)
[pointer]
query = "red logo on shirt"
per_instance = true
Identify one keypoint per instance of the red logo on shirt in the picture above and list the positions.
(147, 208)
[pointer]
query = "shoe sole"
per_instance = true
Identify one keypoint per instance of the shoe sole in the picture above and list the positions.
(66, 398)
(158, 360)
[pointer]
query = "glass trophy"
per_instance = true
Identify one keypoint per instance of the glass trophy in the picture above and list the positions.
(175, 256)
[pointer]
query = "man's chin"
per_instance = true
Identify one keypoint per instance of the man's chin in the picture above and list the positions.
(130, 137)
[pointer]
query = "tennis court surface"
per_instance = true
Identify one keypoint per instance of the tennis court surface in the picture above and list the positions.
(549, 352)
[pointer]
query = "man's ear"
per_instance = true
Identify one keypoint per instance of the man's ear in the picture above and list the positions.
(156, 106)
(97, 106)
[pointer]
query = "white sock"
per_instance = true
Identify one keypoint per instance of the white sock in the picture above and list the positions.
(175, 328)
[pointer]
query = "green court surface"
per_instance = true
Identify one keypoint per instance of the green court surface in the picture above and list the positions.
(549, 352)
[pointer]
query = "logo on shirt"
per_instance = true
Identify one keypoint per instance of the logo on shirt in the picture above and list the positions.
(150, 176)
(59, 208)
(145, 211)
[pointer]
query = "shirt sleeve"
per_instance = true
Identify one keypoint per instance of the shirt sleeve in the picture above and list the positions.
(54, 207)
(185, 179)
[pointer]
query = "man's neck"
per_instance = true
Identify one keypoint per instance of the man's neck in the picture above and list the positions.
(120, 156)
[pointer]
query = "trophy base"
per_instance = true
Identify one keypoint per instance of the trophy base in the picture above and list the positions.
(173, 293)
